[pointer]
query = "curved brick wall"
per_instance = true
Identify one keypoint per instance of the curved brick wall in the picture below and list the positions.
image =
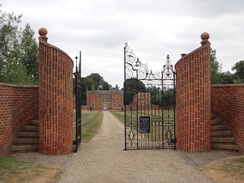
(228, 104)
(193, 101)
(56, 100)
(18, 105)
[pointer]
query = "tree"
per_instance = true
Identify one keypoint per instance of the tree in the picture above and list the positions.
(215, 68)
(226, 78)
(12, 68)
(99, 81)
(239, 72)
(85, 83)
(156, 95)
(132, 87)
(29, 53)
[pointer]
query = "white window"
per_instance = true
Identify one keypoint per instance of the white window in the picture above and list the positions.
(117, 99)
(114, 105)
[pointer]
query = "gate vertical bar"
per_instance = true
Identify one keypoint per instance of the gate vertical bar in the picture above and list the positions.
(174, 77)
(162, 81)
(169, 104)
(137, 97)
(77, 75)
(125, 94)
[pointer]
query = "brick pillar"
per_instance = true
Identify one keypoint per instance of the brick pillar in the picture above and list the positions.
(193, 95)
(56, 98)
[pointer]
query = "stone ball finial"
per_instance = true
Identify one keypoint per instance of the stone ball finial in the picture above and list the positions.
(42, 31)
(205, 36)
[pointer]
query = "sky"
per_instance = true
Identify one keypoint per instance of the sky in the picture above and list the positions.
(152, 28)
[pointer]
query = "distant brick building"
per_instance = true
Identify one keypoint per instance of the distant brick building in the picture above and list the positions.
(105, 99)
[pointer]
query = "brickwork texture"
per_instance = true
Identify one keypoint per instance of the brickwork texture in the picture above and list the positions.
(18, 105)
(52, 102)
(193, 101)
(228, 104)
(56, 99)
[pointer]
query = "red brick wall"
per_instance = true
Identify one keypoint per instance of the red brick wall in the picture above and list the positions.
(56, 100)
(228, 104)
(18, 105)
(193, 101)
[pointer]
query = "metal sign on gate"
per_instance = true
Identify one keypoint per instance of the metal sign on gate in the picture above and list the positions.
(149, 104)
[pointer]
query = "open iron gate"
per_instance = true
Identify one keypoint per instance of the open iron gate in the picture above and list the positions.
(77, 75)
(149, 104)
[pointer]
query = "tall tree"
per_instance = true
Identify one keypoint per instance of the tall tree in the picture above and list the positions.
(99, 81)
(86, 83)
(239, 72)
(226, 78)
(215, 68)
(29, 53)
(12, 69)
(132, 87)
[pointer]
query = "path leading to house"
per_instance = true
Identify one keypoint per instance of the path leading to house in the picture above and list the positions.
(103, 160)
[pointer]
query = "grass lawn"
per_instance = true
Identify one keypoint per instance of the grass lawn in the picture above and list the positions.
(230, 169)
(119, 115)
(13, 170)
(90, 124)
(156, 117)
(234, 166)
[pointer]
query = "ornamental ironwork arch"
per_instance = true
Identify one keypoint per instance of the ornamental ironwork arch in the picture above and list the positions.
(149, 113)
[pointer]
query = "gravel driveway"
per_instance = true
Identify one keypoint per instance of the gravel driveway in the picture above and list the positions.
(103, 160)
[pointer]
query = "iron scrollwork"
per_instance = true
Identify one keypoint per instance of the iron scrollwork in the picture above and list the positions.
(135, 68)
(158, 86)
(168, 70)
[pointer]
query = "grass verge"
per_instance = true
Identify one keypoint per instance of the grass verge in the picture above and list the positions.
(90, 124)
(119, 115)
(226, 170)
(13, 170)
(234, 166)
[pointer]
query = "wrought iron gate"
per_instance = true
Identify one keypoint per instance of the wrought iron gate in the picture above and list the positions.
(149, 104)
(77, 75)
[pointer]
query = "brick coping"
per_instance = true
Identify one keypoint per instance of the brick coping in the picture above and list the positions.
(16, 85)
(228, 85)
(54, 47)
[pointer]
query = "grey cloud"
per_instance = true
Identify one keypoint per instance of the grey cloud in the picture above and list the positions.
(153, 28)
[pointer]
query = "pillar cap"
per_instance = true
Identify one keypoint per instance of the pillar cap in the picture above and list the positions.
(204, 36)
(42, 31)
(43, 34)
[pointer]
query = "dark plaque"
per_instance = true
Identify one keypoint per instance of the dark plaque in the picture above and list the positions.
(144, 124)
